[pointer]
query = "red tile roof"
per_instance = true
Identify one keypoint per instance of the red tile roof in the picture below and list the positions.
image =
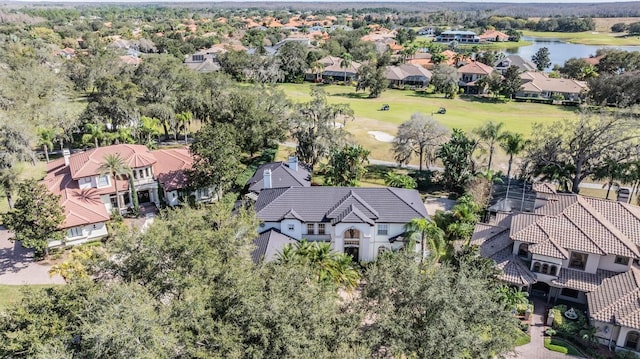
(171, 166)
(475, 67)
(87, 163)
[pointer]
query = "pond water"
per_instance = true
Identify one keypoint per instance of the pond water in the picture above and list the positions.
(560, 52)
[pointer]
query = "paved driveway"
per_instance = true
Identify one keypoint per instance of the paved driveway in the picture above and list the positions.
(18, 267)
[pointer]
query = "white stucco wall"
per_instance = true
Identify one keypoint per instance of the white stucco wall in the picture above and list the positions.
(537, 257)
(297, 228)
(592, 263)
(608, 263)
(605, 332)
(89, 233)
(366, 248)
(622, 336)
(172, 198)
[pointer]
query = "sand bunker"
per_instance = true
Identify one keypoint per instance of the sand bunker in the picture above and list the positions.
(381, 136)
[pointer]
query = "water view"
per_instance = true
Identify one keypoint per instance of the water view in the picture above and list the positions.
(561, 51)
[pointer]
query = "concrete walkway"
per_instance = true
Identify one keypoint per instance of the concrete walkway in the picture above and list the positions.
(535, 349)
(18, 267)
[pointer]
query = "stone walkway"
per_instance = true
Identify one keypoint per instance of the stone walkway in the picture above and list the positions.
(18, 267)
(535, 349)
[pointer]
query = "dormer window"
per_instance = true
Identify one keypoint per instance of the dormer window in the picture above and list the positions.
(578, 260)
(621, 260)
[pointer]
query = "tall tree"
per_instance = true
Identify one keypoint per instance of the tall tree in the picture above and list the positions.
(293, 56)
(372, 77)
(491, 134)
(345, 62)
(46, 136)
(572, 150)
(116, 167)
(445, 80)
(346, 166)
(36, 218)
(513, 144)
(184, 119)
(420, 135)
(511, 82)
(457, 158)
(424, 231)
(216, 158)
(93, 133)
(541, 58)
(314, 125)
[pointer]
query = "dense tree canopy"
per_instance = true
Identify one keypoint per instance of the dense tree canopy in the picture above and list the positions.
(421, 135)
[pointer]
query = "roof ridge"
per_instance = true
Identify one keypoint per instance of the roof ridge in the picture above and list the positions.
(580, 228)
(609, 226)
(282, 191)
(354, 195)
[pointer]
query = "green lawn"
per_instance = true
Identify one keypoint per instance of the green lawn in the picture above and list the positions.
(465, 112)
(26, 171)
(588, 37)
(12, 294)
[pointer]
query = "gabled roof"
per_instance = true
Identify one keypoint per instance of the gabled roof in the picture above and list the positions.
(617, 300)
(268, 244)
(404, 71)
(540, 82)
(281, 176)
(332, 64)
(323, 204)
(571, 222)
(171, 166)
(512, 269)
(475, 67)
(516, 60)
(82, 207)
(352, 215)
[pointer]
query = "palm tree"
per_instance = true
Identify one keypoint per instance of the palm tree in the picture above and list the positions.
(317, 67)
(115, 166)
(94, 133)
(490, 133)
(184, 119)
(513, 144)
(147, 129)
(423, 230)
(345, 63)
(46, 136)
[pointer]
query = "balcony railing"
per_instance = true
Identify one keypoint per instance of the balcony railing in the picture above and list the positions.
(317, 237)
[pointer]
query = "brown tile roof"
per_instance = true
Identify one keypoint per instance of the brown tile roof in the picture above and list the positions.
(490, 239)
(475, 67)
(171, 167)
(617, 300)
(514, 271)
(582, 281)
(544, 187)
(540, 82)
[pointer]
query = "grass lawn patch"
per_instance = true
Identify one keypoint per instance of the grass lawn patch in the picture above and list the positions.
(464, 112)
(588, 37)
(560, 346)
(26, 171)
(12, 294)
(523, 338)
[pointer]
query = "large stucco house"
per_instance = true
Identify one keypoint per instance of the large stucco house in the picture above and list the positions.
(88, 196)
(361, 222)
(576, 249)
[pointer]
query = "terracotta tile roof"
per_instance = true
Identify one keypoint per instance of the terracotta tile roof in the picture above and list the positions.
(544, 187)
(549, 248)
(475, 67)
(87, 163)
(540, 82)
(82, 207)
(617, 300)
(580, 280)
(170, 168)
(490, 239)
(513, 270)
(492, 34)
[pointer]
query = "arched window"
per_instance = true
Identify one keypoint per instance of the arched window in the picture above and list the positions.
(536, 267)
(545, 268)
(554, 270)
(352, 233)
(632, 340)
(523, 250)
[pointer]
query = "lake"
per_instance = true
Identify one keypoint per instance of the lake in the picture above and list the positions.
(560, 52)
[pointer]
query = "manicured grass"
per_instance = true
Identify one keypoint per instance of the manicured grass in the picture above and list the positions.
(560, 346)
(464, 112)
(493, 46)
(12, 294)
(588, 37)
(26, 171)
(523, 338)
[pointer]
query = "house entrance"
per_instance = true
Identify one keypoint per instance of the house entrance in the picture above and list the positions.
(144, 197)
(540, 289)
(352, 243)
(354, 252)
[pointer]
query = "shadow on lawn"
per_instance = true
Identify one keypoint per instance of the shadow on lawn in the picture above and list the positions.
(355, 95)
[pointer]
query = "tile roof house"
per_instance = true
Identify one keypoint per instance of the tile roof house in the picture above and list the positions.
(332, 70)
(493, 36)
(88, 196)
(470, 74)
(459, 36)
(514, 60)
(573, 248)
(538, 85)
(407, 74)
(359, 221)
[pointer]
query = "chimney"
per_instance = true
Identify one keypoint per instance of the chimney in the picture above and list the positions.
(267, 178)
(66, 154)
(293, 163)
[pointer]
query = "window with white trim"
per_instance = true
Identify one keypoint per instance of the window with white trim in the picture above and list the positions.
(383, 229)
(75, 232)
(103, 181)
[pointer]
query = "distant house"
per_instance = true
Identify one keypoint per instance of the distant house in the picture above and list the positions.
(538, 85)
(204, 60)
(470, 74)
(514, 60)
(88, 196)
(407, 74)
(493, 36)
(333, 71)
(427, 31)
(67, 53)
(458, 36)
(362, 222)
